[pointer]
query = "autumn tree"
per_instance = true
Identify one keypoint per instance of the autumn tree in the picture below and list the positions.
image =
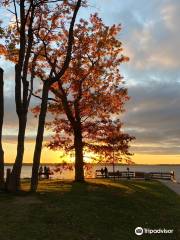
(91, 90)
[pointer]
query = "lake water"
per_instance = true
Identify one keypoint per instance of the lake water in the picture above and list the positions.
(90, 171)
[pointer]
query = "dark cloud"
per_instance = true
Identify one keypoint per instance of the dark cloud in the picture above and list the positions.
(153, 115)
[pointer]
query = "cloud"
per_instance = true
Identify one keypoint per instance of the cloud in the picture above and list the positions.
(155, 43)
(150, 32)
(153, 115)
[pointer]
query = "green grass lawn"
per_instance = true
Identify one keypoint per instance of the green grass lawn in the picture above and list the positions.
(95, 210)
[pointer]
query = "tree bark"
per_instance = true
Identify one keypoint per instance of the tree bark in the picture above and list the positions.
(39, 137)
(13, 184)
(14, 180)
(1, 125)
(79, 163)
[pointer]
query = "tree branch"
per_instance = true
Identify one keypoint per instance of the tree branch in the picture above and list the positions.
(36, 96)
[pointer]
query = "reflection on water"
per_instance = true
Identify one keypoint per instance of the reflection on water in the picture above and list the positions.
(90, 170)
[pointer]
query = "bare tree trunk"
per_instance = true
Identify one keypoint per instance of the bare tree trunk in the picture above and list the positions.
(39, 137)
(14, 180)
(79, 163)
(1, 125)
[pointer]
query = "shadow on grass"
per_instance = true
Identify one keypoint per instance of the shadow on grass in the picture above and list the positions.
(94, 210)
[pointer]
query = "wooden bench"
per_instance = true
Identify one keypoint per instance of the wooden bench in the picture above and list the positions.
(99, 174)
(46, 175)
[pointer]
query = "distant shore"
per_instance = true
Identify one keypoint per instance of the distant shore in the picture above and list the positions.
(108, 164)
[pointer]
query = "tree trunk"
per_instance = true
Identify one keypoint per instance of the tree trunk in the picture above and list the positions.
(1, 125)
(79, 163)
(14, 180)
(39, 138)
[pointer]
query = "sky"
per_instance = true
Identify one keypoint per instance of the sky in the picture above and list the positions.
(150, 36)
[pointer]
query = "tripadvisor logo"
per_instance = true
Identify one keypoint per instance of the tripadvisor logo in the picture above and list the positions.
(140, 231)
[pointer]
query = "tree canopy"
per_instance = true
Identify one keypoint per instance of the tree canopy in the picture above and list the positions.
(91, 92)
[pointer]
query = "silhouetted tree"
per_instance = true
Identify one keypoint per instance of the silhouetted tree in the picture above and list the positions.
(90, 91)
(1, 125)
